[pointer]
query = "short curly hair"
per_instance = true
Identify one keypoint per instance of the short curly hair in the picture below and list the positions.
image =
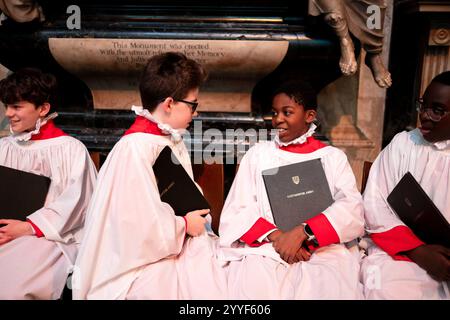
(300, 91)
(443, 78)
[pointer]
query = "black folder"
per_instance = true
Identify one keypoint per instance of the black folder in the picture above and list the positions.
(418, 212)
(297, 192)
(175, 185)
(22, 194)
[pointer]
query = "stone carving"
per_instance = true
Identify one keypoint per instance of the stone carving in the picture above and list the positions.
(348, 16)
(440, 37)
(111, 67)
(21, 10)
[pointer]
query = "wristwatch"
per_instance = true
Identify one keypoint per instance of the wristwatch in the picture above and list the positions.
(310, 234)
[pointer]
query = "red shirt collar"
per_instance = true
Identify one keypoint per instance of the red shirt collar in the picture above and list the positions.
(48, 131)
(309, 146)
(144, 125)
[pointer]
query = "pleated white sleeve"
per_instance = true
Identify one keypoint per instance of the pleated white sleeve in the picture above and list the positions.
(128, 227)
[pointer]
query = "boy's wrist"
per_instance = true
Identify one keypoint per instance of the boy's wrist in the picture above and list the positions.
(309, 234)
(33, 231)
(416, 253)
(274, 235)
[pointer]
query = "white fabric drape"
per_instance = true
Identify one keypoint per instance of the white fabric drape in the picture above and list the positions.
(66, 162)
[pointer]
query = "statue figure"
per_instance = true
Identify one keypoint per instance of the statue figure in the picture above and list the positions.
(21, 10)
(346, 16)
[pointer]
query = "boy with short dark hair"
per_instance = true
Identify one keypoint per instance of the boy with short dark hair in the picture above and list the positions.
(36, 255)
(135, 247)
(265, 262)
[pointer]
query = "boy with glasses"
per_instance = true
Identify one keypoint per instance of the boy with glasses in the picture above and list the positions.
(435, 112)
(193, 105)
(135, 247)
(399, 264)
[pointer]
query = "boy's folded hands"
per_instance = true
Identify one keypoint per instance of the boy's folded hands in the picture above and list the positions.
(289, 244)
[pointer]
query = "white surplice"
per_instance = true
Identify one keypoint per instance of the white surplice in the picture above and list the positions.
(386, 277)
(134, 246)
(37, 268)
(258, 272)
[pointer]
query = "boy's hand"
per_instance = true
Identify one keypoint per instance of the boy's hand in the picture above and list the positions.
(289, 243)
(434, 259)
(195, 222)
(274, 235)
(303, 254)
(13, 229)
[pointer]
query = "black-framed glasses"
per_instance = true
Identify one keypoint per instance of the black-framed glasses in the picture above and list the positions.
(193, 105)
(434, 113)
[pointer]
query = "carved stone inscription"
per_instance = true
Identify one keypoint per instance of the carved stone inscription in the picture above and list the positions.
(111, 67)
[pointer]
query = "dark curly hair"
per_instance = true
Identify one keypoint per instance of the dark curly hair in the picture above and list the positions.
(29, 84)
(300, 91)
(443, 78)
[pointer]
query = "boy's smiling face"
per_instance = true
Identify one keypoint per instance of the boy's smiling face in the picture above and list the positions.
(290, 118)
(436, 96)
(23, 115)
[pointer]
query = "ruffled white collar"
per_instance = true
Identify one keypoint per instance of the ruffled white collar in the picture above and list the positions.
(176, 134)
(26, 136)
(299, 140)
(442, 145)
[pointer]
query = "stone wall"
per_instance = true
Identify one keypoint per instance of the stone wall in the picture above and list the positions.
(352, 110)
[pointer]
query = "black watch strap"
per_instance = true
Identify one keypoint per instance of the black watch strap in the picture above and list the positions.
(310, 234)
(308, 231)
